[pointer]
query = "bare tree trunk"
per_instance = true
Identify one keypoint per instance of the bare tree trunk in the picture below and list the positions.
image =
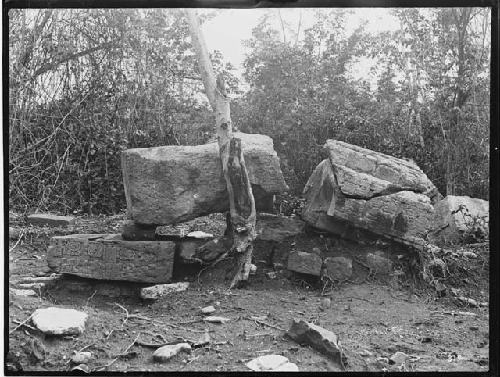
(241, 200)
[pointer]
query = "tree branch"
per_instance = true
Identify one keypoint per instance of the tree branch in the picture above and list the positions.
(50, 66)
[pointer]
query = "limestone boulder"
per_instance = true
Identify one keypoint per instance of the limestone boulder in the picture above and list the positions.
(460, 219)
(172, 184)
(359, 189)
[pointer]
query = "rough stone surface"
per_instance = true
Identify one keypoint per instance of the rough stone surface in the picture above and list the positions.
(277, 228)
(272, 363)
(157, 291)
(457, 217)
(398, 358)
(305, 263)
(383, 171)
(318, 338)
(165, 353)
(109, 257)
(341, 200)
(337, 268)
(378, 263)
(59, 321)
(166, 185)
(47, 219)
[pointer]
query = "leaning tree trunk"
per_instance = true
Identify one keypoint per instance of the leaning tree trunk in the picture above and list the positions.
(241, 200)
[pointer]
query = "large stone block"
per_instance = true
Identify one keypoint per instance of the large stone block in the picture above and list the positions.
(399, 174)
(374, 192)
(109, 257)
(167, 185)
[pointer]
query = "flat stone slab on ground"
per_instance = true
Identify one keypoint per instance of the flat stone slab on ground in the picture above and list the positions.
(50, 220)
(305, 263)
(109, 257)
(317, 337)
(59, 321)
(272, 363)
(157, 291)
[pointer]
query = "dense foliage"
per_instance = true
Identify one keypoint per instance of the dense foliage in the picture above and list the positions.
(86, 84)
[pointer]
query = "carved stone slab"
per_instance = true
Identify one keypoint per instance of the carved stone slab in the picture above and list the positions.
(109, 257)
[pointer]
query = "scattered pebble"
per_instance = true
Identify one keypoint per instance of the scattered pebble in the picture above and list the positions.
(271, 275)
(81, 357)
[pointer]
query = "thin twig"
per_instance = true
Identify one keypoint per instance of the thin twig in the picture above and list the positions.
(265, 323)
(24, 324)
(121, 353)
(21, 324)
(21, 235)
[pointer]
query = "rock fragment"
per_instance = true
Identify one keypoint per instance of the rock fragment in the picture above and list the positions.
(318, 338)
(165, 353)
(208, 310)
(160, 290)
(216, 319)
(59, 321)
(398, 358)
(47, 219)
(305, 263)
(22, 292)
(81, 357)
(272, 363)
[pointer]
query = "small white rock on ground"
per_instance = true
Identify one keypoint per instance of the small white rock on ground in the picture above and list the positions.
(216, 319)
(165, 353)
(81, 357)
(59, 321)
(22, 292)
(274, 363)
(157, 291)
(208, 309)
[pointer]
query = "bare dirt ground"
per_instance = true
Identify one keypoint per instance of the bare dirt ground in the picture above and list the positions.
(373, 317)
